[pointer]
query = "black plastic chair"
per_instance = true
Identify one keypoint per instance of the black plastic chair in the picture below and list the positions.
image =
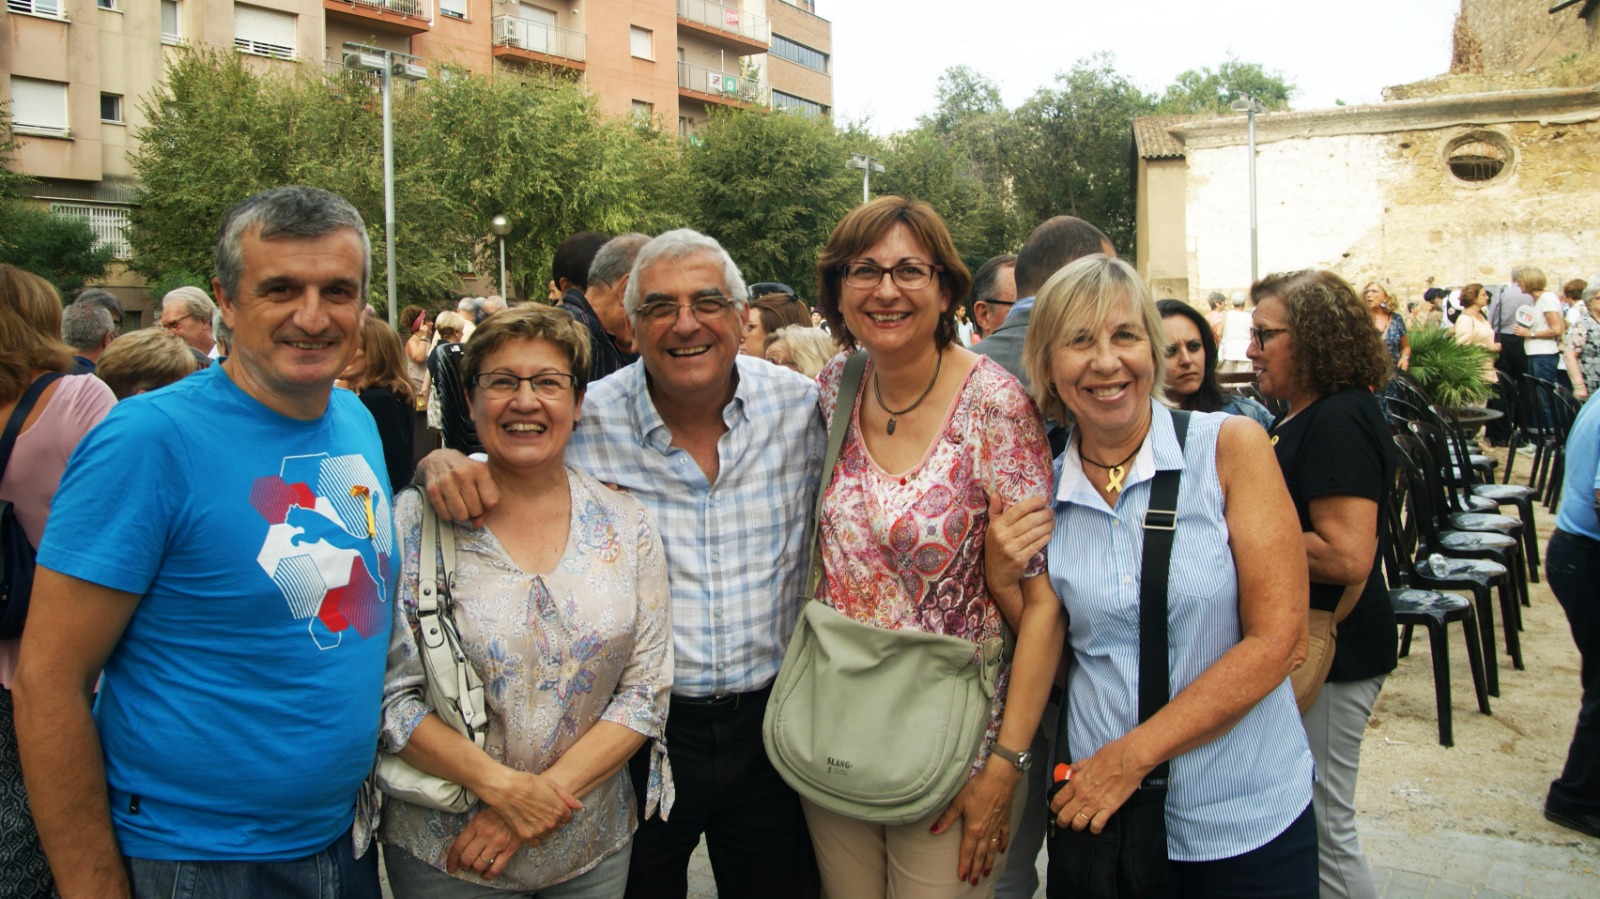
(1434, 611)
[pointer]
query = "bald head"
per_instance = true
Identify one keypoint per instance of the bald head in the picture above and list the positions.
(1052, 246)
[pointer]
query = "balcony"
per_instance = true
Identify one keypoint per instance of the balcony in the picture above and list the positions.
(394, 16)
(536, 42)
(727, 26)
(720, 88)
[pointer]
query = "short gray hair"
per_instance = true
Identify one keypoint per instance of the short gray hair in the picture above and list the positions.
(294, 211)
(104, 299)
(616, 257)
(681, 244)
(193, 300)
(84, 326)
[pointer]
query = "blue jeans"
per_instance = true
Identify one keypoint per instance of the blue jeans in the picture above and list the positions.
(330, 874)
(413, 879)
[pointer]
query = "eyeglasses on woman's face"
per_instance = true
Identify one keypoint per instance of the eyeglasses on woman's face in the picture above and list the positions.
(548, 385)
(1262, 335)
(906, 275)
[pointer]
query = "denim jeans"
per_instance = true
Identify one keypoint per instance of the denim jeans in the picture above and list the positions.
(330, 874)
(412, 879)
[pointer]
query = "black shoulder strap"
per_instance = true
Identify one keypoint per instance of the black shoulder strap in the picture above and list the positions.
(25, 404)
(1160, 524)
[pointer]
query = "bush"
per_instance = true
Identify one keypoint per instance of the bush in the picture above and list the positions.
(1452, 373)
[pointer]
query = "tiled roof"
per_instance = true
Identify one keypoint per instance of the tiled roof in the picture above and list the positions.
(1152, 139)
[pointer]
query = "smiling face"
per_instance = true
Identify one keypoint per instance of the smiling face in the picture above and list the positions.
(1186, 356)
(888, 318)
(296, 319)
(524, 431)
(1104, 375)
(689, 360)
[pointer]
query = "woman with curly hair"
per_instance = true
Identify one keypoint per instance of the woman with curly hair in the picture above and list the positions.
(1312, 347)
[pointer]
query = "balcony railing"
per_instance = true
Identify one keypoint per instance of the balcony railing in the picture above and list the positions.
(537, 37)
(420, 9)
(734, 87)
(730, 19)
(48, 8)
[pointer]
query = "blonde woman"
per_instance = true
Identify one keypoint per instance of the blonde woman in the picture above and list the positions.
(806, 350)
(1386, 318)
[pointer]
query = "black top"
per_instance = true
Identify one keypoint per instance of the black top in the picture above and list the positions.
(1340, 446)
(394, 431)
(604, 357)
(444, 365)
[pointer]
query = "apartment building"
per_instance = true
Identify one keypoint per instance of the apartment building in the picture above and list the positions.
(76, 69)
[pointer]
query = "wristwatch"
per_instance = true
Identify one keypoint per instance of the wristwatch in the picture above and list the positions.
(1022, 761)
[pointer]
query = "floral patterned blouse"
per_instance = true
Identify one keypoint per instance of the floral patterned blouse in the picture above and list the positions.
(905, 550)
(1583, 336)
(590, 641)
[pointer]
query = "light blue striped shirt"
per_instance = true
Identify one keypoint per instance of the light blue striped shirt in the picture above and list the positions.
(1244, 788)
(737, 549)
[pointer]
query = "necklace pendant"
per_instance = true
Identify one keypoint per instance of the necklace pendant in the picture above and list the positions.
(891, 426)
(1116, 472)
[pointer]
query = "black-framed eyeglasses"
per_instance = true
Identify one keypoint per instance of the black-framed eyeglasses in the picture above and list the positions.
(1262, 335)
(547, 384)
(906, 275)
(709, 308)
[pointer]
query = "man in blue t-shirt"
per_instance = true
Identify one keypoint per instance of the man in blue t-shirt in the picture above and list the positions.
(235, 589)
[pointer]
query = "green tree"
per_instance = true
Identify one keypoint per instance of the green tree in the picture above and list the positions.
(770, 186)
(1075, 149)
(60, 249)
(1206, 90)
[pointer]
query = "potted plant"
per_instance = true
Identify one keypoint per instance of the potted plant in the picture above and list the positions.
(1454, 375)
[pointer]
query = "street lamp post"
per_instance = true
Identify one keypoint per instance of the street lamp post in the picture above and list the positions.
(501, 226)
(1250, 106)
(867, 165)
(388, 65)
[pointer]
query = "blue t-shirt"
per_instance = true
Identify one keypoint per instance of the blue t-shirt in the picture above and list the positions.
(239, 711)
(1577, 514)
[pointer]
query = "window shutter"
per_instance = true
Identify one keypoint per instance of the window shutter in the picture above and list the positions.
(263, 31)
(38, 104)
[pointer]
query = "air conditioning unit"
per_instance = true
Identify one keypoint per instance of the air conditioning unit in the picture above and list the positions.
(366, 62)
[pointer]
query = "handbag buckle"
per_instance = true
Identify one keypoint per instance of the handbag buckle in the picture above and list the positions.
(1161, 519)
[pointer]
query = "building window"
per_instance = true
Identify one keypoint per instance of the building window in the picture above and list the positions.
(38, 105)
(51, 8)
(170, 33)
(111, 108)
(1478, 156)
(110, 224)
(783, 48)
(644, 112)
(263, 32)
(106, 4)
(641, 41)
(455, 9)
(807, 108)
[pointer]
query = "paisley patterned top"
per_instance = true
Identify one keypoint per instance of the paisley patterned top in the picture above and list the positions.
(590, 641)
(905, 550)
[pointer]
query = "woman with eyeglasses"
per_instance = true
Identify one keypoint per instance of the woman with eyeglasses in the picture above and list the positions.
(1191, 353)
(561, 600)
(939, 439)
(1313, 347)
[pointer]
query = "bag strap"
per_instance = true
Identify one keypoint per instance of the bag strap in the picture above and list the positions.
(446, 670)
(25, 404)
(849, 386)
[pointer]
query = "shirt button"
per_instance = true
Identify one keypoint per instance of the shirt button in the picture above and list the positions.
(1116, 522)
(716, 556)
(1126, 579)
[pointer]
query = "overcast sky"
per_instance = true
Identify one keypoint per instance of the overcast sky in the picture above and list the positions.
(888, 54)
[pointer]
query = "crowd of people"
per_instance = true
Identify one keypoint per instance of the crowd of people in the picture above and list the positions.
(631, 494)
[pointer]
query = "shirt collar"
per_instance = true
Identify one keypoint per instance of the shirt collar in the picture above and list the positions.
(1022, 305)
(649, 425)
(1159, 452)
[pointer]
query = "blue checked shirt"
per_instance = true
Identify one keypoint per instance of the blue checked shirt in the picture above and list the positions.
(737, 550)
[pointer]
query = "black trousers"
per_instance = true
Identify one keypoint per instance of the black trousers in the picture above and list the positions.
(1573, 566)
(727, 790)
(1513, 362)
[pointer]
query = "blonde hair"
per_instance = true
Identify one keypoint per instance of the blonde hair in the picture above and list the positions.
(811, 348)
(1532, 278)
(30, 331)
(1082, 297)
(450, 321)
(1390, 304)
(144, 360)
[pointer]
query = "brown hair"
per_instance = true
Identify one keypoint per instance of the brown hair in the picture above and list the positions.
(1573, 290)
(866, 225)
(144, 360)
(385, 355)
(1335, 344)
(1469, 295)
(30, 331)
(535, 321)
(779, 310)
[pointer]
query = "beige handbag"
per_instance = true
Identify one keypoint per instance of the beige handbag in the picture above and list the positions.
(1308, 679)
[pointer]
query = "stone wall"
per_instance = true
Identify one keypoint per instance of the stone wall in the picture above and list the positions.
(1515, 35)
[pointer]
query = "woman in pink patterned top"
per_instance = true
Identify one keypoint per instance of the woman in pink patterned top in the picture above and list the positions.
(940, 439)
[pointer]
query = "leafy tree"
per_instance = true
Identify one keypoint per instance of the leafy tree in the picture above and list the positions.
(171, 281)
(1075, 149)
(60, 249)
(770, 186)
(1203, 90)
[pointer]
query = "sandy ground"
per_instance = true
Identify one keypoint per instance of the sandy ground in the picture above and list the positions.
(1493, 781)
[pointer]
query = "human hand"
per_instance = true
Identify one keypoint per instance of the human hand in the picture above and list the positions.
(1014, 536)
(533, 806)
(1099, 786)
(1404, 364)
(1520, 331)
(485, 845)
(1581, 391)
(459, 488)
(983, 806)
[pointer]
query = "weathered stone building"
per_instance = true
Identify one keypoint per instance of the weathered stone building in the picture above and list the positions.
(1452, 180)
